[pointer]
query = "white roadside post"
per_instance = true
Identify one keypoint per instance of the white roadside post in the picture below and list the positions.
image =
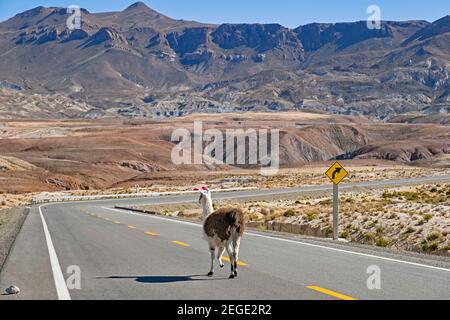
(335, 212)
(336, 174)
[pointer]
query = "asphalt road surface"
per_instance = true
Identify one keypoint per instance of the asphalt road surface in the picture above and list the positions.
(119, 254)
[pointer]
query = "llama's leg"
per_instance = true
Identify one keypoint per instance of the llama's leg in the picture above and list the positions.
(212, 251)
(231, 255)
(220, 255)
(237, 245)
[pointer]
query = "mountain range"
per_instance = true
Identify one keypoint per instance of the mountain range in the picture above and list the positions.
(141, 63)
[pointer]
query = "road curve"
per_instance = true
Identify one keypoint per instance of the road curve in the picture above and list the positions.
(125, 255)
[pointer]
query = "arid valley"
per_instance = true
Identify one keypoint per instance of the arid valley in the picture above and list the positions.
(103, 154)
(141, 142)
(92, 157)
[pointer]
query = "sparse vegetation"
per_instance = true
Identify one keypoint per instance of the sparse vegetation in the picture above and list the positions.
(289, 213)
(381, 242)
(426, 247)
(433, 236)
(396, 217)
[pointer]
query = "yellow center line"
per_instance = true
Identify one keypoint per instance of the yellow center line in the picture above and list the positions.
(132, 227)
(107, 219)
(331, 293)
(151, 234)
(240, 263)
(117, 222)
(181, 243)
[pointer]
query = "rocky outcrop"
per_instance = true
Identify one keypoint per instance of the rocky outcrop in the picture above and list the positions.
(46, 35)
(107, 37)
(139, 166)
(257, 36)
(51, 35)
(77, 34)
(435, 77)
(236, 58)
(401, 153)
(63, 182)
(316, 35)
(189, 40)
(320, 143)
(441, 26)
(259, 58)
(196, 58)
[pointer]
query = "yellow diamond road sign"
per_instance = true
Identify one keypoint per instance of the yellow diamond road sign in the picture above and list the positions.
(337, 173)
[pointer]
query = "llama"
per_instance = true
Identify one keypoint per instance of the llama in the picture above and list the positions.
(223, 229)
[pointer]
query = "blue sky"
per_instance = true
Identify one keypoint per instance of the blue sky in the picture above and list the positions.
(290, 13)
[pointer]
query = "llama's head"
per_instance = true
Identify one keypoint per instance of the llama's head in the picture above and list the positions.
(205, 200)
(205, 194)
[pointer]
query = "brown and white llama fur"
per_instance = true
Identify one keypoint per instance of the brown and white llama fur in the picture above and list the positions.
(223, 229)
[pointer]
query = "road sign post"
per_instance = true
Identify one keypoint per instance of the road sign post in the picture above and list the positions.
(335, 212)
(336, 173)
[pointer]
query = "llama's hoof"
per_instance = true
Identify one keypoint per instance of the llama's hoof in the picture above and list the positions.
(231, 277)
(222, 265)
(210, 274)
(235, 274)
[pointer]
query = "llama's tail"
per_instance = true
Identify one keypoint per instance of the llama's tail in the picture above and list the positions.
(236, 224)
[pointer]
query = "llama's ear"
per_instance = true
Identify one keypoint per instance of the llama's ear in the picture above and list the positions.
(206, 190)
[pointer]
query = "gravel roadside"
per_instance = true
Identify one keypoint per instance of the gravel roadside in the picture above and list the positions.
(11, 221)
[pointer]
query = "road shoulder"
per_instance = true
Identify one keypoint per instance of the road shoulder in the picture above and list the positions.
(13, 220)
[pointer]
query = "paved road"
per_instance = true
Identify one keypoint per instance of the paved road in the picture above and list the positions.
(125, 255)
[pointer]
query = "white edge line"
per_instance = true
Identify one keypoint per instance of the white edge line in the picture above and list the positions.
(296, 242)
(60, 282)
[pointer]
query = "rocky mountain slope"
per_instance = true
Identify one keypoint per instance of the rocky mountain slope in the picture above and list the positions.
(140, 63)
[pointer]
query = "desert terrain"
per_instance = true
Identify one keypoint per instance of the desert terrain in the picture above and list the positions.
(113, 156)
(91, 118)
(38, 156)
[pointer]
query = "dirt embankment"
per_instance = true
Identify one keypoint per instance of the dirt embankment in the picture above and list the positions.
(11, 221)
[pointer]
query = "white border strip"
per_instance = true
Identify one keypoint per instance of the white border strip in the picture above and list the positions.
(296, 242)
(60, 282)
